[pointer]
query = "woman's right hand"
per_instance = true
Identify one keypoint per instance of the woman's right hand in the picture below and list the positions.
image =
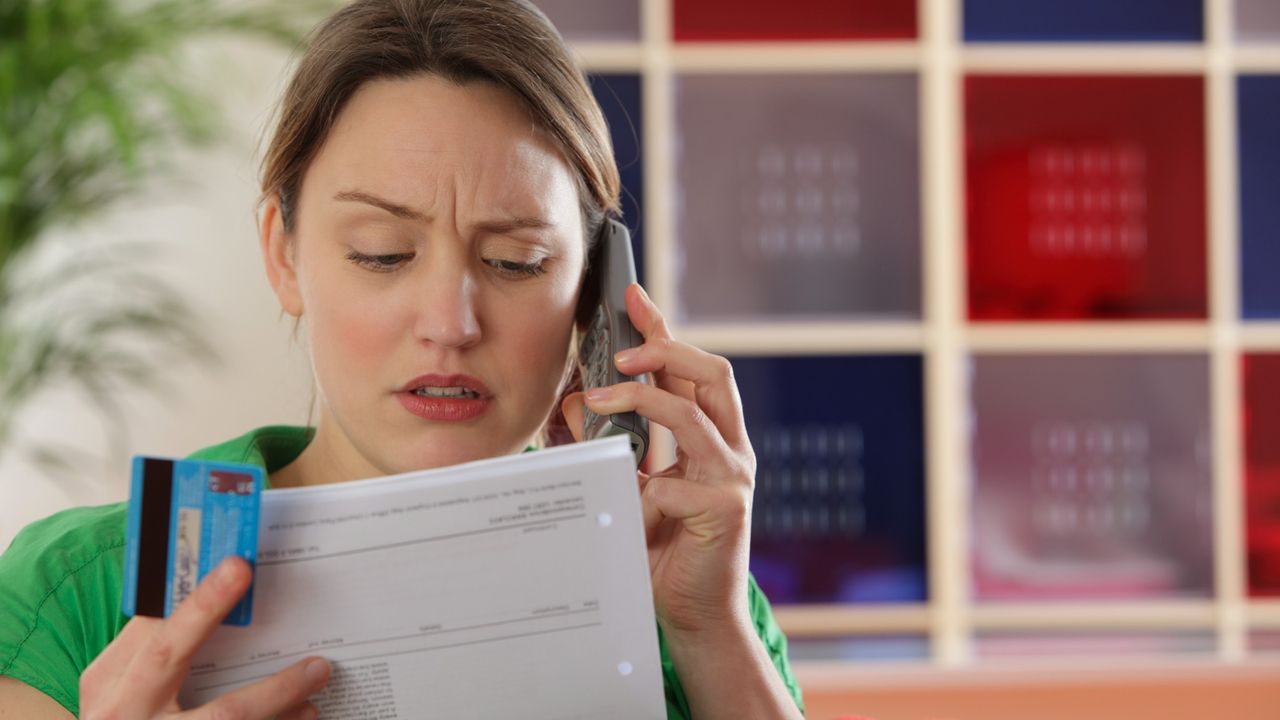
(137, 676)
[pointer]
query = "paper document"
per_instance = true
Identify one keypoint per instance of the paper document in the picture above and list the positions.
(510, 587)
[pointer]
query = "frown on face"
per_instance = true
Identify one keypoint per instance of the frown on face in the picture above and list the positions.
(437, 231)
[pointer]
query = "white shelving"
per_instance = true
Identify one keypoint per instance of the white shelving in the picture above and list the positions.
(944, 337)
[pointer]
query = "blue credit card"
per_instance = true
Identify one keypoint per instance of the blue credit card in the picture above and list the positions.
(185, 516)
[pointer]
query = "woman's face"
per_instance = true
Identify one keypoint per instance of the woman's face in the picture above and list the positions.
(439, 243)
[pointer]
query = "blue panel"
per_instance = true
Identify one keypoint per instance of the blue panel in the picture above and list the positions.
(1083, 20)
(619, 99)
(1260, 196)
(839, 505)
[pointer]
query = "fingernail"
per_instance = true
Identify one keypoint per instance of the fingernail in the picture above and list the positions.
(316, 670)
(644, 294)
(599, 394)
(626, 356)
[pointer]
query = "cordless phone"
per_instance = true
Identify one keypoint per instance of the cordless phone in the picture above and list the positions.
(606, 330)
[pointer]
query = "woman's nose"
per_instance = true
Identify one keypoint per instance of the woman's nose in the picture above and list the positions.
(447, 314)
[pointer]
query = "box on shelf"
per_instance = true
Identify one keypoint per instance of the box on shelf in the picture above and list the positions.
(1091, 477)
(839, 504)
(1086, 197)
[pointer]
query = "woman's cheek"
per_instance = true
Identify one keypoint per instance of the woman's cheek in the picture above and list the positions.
(353, 341)
(542, 337)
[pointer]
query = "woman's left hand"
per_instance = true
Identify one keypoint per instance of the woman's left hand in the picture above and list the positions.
(697, 512)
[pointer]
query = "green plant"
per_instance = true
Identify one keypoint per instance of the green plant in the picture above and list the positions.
(93, 99)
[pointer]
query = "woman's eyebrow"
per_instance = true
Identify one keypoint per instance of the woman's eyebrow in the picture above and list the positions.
(496, 227)
(506, 225)
(401, 211)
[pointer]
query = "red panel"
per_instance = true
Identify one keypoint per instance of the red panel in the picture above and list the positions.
(796, 20)
(1262, 459)
(1086, 197)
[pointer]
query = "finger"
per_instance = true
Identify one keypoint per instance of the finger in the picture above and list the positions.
(714, 388)
(571, 406)
(644, 314)
(708, 511)
(697, 437)
(158, 667)
(114, 659)
(270, 696)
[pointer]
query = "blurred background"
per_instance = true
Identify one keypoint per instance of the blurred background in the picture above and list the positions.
(998, 279)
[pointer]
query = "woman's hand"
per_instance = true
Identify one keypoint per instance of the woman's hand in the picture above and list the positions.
(138, 675)
(697, 512)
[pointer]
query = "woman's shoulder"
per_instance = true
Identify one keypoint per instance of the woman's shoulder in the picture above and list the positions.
(60, 596)
(63, 542)
(82, 546)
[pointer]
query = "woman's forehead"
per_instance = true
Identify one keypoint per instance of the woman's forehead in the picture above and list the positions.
(420, 138)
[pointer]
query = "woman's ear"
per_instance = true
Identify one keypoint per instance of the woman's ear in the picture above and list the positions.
(278, 257)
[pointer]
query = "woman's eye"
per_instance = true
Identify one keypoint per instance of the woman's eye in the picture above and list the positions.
(517, 269)
(379, 263)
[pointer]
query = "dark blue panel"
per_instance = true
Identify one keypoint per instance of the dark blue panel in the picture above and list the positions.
(839, 506)
(619, 98)
(1083, 20)
(1260, 196)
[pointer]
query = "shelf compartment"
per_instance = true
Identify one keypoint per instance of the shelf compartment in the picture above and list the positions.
(1084, 20)
(1086, 197)
(1091, 477)
(597, 20)
(798, 197)
(796, 20)
(1257, 21)
(1262, 472)
(838, 515)
(1259, 149)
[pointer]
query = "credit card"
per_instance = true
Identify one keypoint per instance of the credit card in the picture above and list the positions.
(185, 516)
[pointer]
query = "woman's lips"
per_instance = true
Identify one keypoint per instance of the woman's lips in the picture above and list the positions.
(439, 380)
(445, 409)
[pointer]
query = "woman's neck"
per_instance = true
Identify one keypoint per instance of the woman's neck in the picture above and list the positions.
(322, 463)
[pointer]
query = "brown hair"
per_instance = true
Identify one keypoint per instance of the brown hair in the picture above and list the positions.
(507, 42)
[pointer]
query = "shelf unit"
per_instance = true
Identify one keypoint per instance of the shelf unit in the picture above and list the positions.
(951, 619)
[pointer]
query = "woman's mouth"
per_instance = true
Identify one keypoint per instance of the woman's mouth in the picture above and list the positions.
(446, 392)
(445, 398)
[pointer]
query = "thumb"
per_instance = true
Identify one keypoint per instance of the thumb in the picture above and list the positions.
(572, 406)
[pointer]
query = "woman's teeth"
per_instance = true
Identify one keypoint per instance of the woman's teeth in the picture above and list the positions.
(453, 392)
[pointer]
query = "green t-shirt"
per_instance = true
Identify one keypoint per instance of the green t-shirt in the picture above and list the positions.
(61, 587)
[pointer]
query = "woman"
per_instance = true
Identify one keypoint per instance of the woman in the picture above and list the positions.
(430, 198)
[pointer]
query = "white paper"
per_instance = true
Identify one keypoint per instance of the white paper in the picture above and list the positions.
(510, 587)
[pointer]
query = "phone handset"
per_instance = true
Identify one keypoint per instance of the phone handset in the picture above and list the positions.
(606, 330)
